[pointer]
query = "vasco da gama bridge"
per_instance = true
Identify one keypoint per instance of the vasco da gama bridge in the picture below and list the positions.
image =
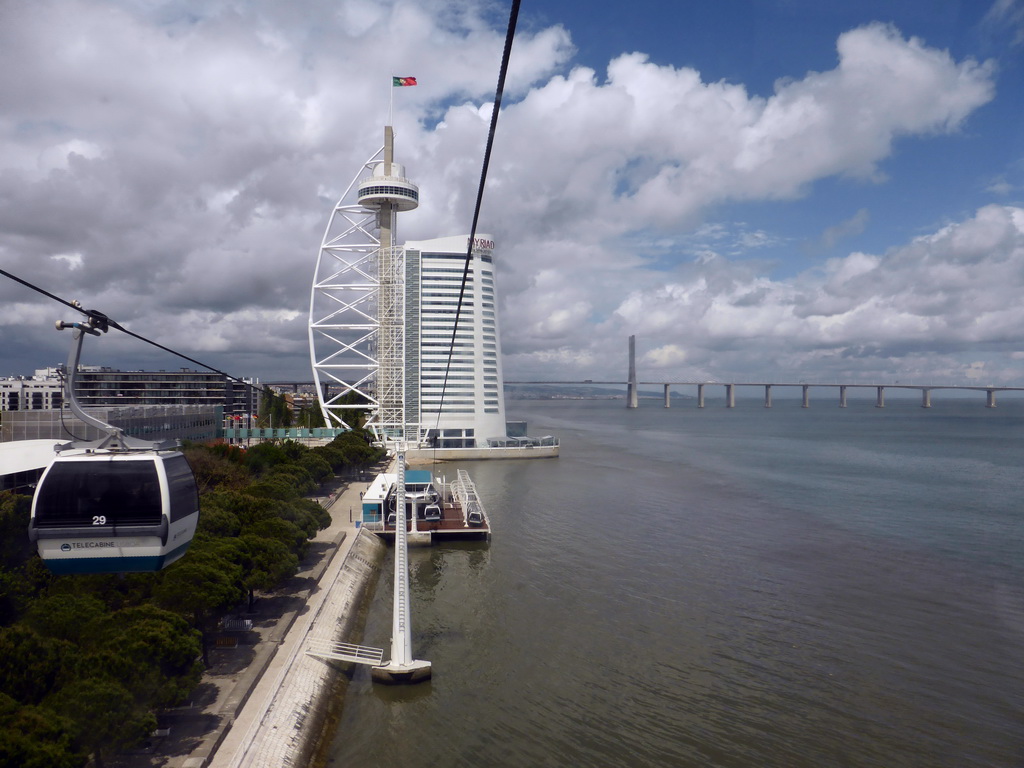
(632, 384)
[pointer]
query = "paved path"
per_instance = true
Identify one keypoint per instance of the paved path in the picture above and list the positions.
(241, 683)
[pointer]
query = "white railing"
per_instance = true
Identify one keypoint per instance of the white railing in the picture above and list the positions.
(465, 494)
(357, 654)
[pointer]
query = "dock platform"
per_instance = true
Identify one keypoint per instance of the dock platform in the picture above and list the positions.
(451, 527)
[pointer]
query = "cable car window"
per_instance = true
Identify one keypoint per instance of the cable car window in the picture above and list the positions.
(99, 493)
(182, 486)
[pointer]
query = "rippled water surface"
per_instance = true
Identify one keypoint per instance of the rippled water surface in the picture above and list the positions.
(722, 587)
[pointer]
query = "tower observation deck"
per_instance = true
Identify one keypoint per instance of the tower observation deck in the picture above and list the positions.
(384, 187)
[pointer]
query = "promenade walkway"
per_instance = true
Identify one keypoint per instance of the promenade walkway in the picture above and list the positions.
(243, 681)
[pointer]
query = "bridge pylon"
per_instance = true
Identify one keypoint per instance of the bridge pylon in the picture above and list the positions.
(631, 389)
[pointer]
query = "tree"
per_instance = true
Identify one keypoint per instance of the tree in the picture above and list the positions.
(293, 450)
(274, 410)
(216, 469)
(103, 714)
(263, 456)
(272, 564)
(154, 653)
(296, 476)
(272, 487)
(311, 417)
(15, 548)
(65, 616)
(316, 466)
(334, 457)
(33, 737)
(200, 587)
(32, 665)
(15, 594)
(218, 522)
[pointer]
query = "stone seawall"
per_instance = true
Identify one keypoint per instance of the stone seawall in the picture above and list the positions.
(286, 724)
(357, 580)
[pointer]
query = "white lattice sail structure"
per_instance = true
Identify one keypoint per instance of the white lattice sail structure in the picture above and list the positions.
(357, 306)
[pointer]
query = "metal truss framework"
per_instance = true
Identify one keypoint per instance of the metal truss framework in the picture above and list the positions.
(352, 287)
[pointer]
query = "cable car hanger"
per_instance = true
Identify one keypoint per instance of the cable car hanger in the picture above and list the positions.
(96, 323)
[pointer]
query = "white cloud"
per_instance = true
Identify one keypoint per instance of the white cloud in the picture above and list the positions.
(177, 159)
(73, 260)
(952, 290)
(1005, 16)
(668, 355)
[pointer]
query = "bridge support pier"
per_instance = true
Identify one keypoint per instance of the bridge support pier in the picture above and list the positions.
(926, 398)
(807, 396)
(880, 401)
(700, 395)
(842, 396)
(767, 395)
(667, 397)
(990, 399)
(631, 395)
(730, 395)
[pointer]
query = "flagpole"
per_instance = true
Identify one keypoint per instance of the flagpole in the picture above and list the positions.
(391, 101)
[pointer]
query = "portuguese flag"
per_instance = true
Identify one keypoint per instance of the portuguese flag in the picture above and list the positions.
(399, 81)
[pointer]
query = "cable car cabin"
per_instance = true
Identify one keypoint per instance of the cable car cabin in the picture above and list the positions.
(114, 512)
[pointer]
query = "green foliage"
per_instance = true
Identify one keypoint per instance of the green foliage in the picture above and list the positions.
(310, 417)
(218, 522)
(259, 458)
(64, 616)
(15, 548)
(294, 475)
(85, 659)
(32, 665)
(284, 531)
(103, 714)
(15, 595)
(293, 450)
(244, 505)
(273, 488)
(335, 458)
(33, 737)
(153, 652)
(272, 562)
(215, 467)
(200, 585)
(274, 410)
(317, 467)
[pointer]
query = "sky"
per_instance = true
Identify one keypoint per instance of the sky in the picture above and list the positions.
(787, 190)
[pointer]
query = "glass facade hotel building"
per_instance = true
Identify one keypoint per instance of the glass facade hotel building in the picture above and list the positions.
(473, 406)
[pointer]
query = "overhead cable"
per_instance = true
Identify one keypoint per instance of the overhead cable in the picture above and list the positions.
(506, 53)
(114, 324)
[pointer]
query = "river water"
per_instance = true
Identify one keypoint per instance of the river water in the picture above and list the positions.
(722, 587)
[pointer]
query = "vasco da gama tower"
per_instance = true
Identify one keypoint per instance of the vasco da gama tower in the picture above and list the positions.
(382, 318)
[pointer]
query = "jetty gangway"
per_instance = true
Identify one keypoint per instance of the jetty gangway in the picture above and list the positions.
(402, 668)
(465, 493)
(335, 651)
